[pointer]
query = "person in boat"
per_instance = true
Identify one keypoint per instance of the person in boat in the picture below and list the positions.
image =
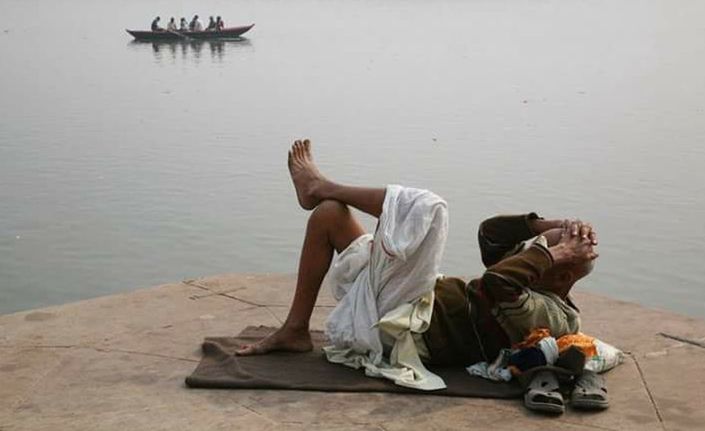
(219, 24)
(211, 24)
(195, 24)
(183, 24)
(171, 26)
(155, 25)
(384, 279)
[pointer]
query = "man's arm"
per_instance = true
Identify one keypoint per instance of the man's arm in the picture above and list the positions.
(554, 230)
(505, 280)
(501, 234)
(509, 283)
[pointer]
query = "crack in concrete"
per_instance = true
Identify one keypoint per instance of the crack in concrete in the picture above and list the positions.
(514, 412)
(193, 283)
(228, 294)
(281, 322)
(328, 423)
(136, 352)
(40, 346)
(256, 413)
(683, 340)
(225, 294)
(582, 425)
(211, 293)
(22, 398)
(648, 391)
(97, 349)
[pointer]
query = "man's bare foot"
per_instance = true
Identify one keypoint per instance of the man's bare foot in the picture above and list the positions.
(306, 176)
(284, 340)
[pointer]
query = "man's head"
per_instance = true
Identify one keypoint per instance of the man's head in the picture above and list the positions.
(561, 277)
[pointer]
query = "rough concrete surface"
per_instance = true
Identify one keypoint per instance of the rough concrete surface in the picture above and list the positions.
(119, 362)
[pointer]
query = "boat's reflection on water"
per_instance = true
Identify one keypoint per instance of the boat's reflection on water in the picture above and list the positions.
(193, 49)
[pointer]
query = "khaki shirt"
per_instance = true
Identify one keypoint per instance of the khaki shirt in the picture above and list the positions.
(472, 322)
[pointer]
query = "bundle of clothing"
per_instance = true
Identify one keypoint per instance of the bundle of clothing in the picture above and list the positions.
(547, 366)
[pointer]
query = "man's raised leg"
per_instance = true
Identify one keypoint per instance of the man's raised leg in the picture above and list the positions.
(330, 227)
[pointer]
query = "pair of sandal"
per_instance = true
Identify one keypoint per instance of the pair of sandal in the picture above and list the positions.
(543, 393)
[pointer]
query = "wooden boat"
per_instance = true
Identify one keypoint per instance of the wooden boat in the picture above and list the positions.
(226, 33)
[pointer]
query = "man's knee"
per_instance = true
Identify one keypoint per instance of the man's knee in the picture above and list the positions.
(337, 223)
(329, 211)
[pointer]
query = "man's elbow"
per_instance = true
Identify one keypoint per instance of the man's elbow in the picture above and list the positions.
(497, 287)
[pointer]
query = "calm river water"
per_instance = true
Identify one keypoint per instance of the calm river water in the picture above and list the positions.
(124, 165)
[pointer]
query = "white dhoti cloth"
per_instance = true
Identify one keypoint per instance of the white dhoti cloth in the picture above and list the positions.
(384, 288)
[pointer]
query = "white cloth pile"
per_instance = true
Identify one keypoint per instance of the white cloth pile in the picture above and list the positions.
(384, 284)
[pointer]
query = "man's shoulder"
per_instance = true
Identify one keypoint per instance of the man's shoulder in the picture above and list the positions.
(564, 304)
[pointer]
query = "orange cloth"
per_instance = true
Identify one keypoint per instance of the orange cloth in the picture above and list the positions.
(533, 338)
(585, 343)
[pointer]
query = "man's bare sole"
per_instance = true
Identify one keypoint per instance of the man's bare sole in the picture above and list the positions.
(305, 175)
(283, 340)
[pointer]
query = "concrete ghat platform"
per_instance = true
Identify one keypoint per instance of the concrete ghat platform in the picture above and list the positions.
(119, 362)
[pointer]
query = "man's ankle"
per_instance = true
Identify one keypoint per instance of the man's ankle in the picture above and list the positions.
(297, 327)
(323, 189)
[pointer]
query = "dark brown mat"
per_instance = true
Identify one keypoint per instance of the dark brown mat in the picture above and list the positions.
(221, 369)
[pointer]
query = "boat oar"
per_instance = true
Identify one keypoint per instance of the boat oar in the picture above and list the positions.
(178, 34)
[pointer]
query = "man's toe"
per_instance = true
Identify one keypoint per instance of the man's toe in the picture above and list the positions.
(244, 351)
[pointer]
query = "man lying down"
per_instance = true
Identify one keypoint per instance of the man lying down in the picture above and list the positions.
(395, 312)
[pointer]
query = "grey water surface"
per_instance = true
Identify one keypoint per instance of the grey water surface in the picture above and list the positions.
(124, 165)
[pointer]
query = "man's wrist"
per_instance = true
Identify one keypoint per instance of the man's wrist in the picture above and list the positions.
(539, 225)
(559, 253)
